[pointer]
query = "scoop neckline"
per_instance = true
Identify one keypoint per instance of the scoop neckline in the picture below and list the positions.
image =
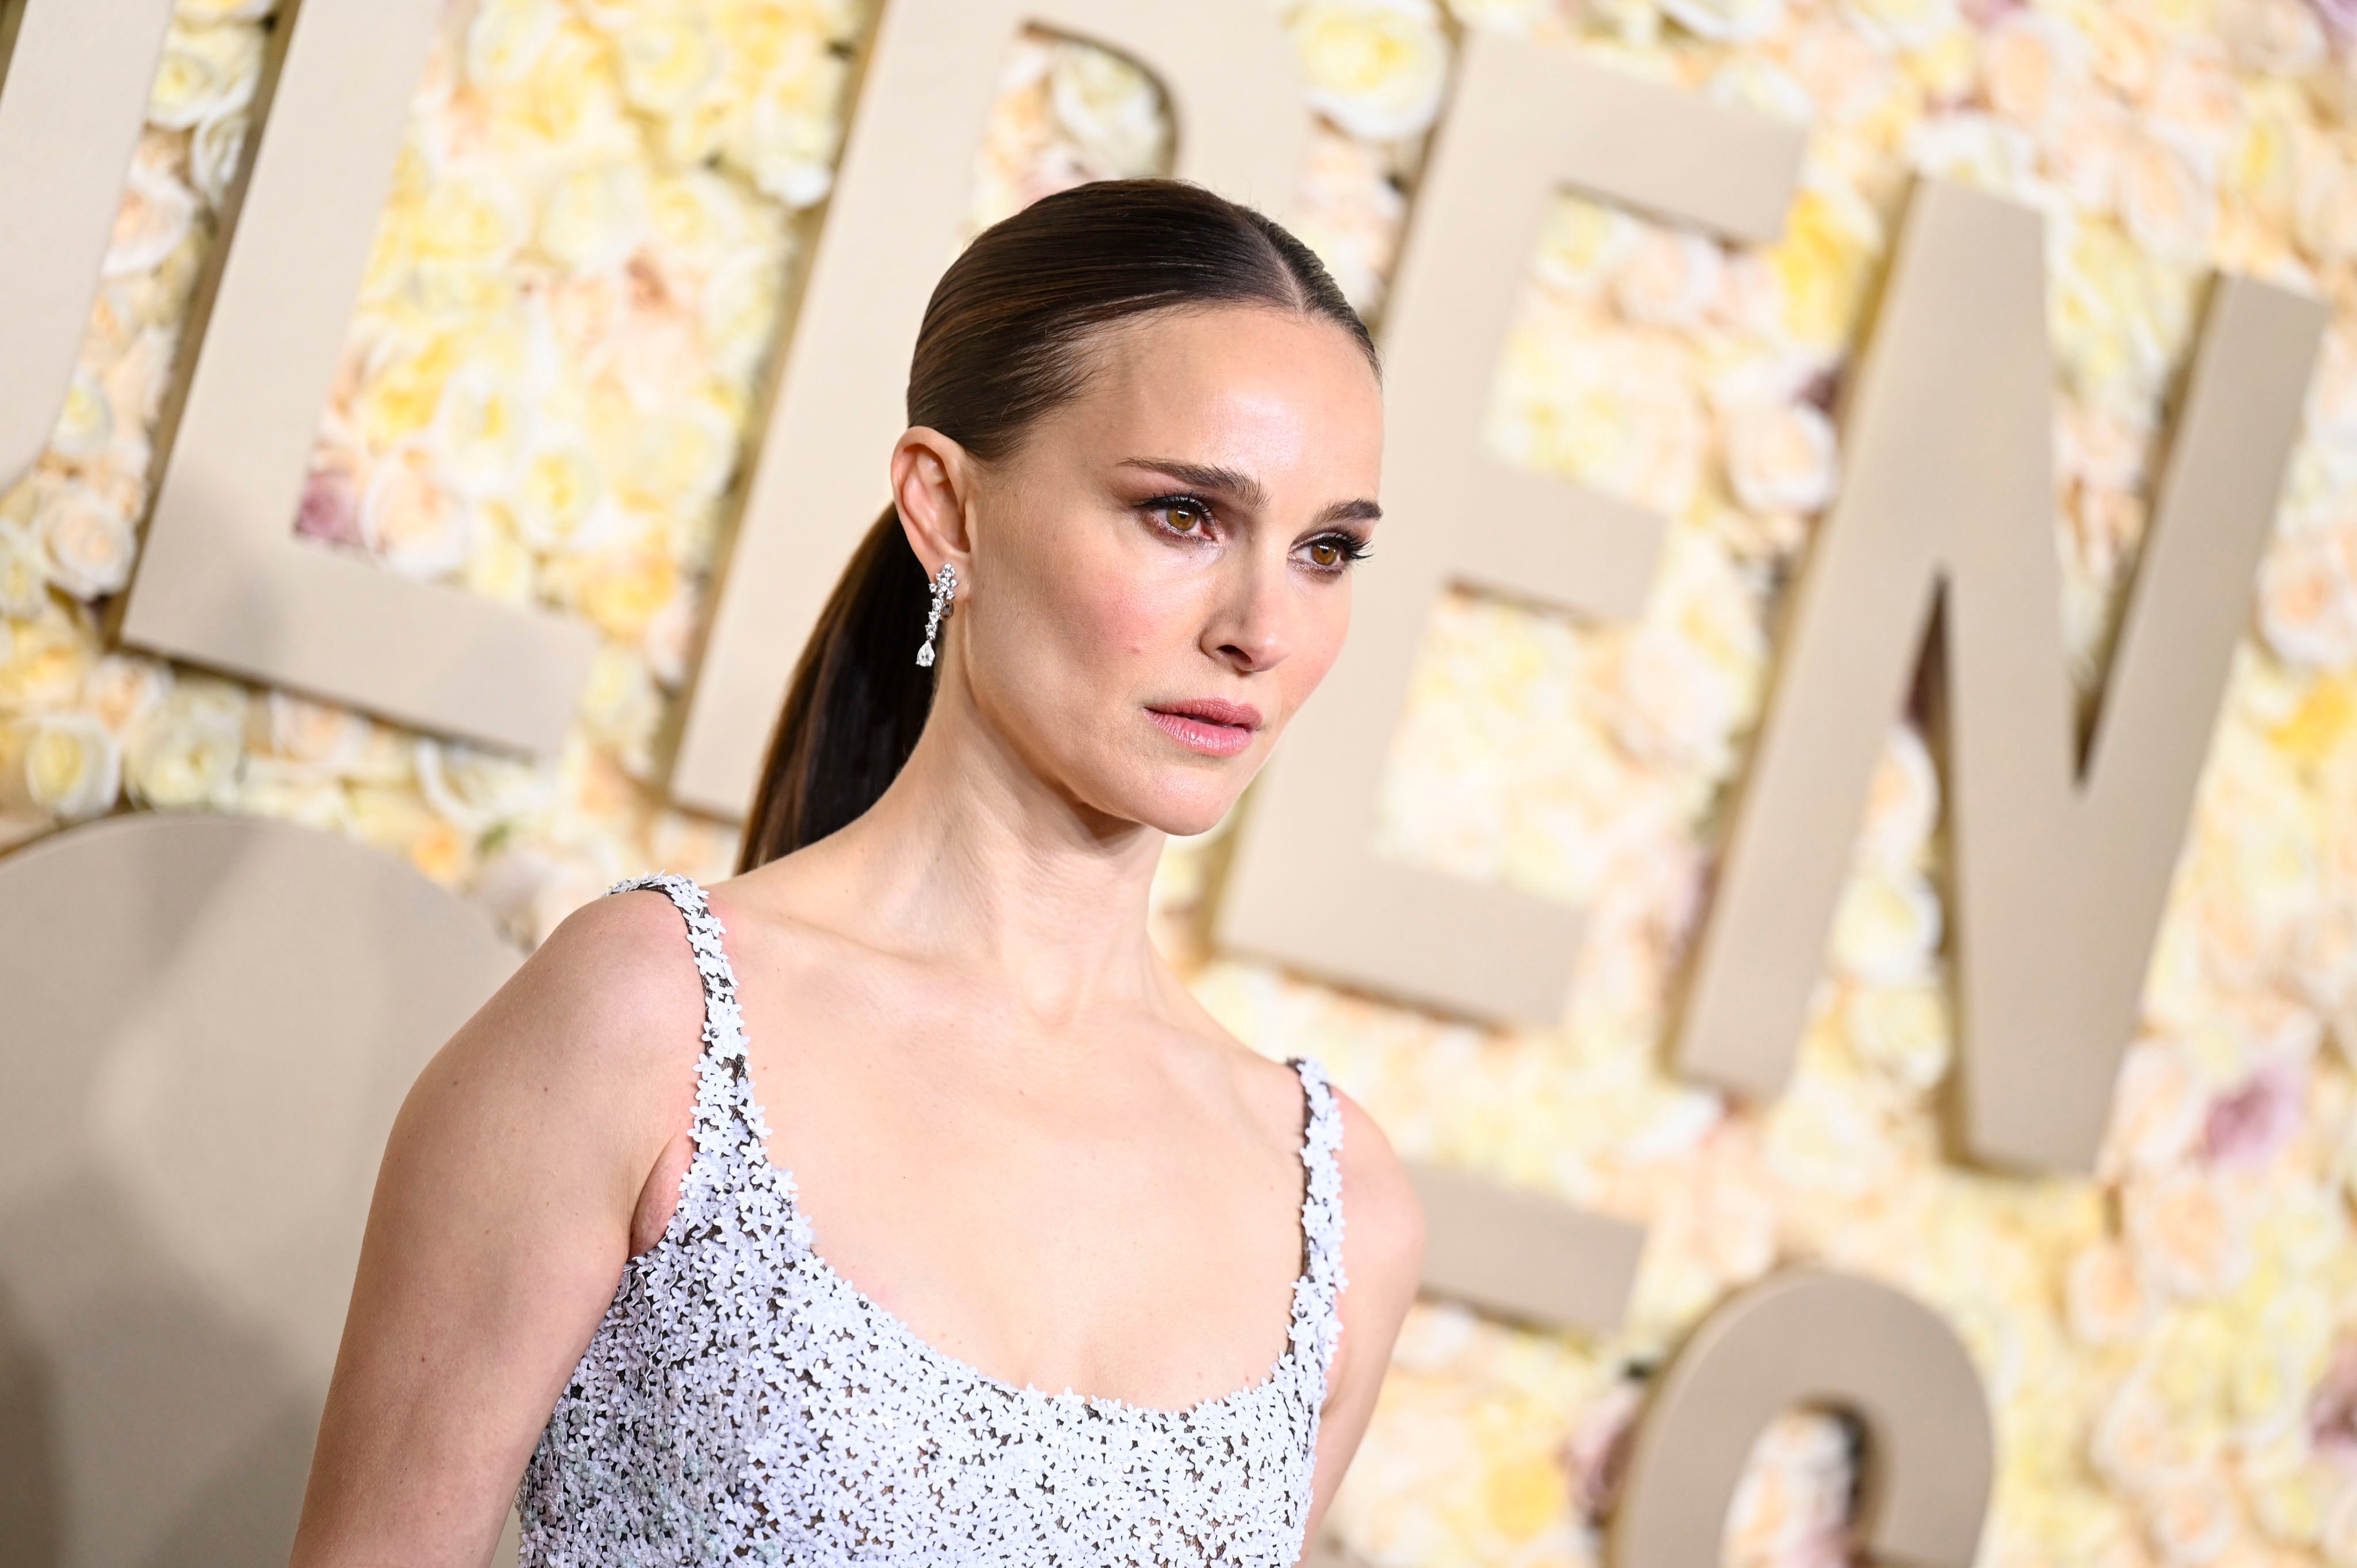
(753, 1122)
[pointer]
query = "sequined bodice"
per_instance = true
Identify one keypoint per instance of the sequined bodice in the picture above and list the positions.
(743, 1402)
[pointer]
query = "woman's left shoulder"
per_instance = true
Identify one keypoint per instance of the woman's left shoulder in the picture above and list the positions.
(1383, 1222)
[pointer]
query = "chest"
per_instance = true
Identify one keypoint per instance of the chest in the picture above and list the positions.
(1120, 1227)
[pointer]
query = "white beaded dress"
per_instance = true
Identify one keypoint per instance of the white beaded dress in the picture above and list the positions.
(742, 1403)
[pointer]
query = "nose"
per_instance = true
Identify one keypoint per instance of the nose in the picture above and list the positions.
(1251, 628)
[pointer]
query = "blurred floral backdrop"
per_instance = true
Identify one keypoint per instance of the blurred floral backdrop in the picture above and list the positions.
(545, 397)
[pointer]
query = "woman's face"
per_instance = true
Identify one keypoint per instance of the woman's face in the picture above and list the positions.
(1161, 573)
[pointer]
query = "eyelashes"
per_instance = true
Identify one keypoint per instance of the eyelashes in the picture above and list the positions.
(1182, 516)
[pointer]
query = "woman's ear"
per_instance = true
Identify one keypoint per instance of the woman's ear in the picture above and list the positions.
(931, 486)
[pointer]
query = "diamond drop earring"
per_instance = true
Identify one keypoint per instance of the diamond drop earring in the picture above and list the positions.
(944, 590)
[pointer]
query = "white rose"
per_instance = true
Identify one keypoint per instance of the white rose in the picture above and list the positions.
(2104, 1298)
(2278, 38)
(1886, 927)
(185, 755)
(1727, 21)
(1670, 279)
(416, 524)
(2189, 1232)
(1976, 150)
(68, 765)
(1350, 214)
(1902, 24)
(483, 424)
(2166, 197)
(787, 143)
(86, 424)
(506, 38)
(23, 572)
(204, 71)
(2033, 62)
(1780, 456)
(559, 501)
(122, 688)
(478, 790)
(1108, 106)
(310, 739)
(88, 540)
(594, 218)
(155, 217)
(1903, 1030)
(1902, 804)
(215, 149)
(2193, 1518)
(1376, 68)
(668, 59)
(2308, 596)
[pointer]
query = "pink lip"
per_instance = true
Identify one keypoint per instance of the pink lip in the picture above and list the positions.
(1207, 725)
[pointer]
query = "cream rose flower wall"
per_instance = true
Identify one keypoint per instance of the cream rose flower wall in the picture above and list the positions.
(548, 388)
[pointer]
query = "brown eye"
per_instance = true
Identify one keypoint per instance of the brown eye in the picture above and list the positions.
(1184, 517)
(1325, 552)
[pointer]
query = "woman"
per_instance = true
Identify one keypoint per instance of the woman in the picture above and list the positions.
(1143, 438)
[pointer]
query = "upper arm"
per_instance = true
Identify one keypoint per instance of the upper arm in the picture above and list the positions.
(1383, 1255)
(497, 1235)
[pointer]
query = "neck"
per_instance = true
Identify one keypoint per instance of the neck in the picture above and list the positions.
(972, 860)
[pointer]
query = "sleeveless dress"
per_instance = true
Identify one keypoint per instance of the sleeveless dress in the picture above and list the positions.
(742, 1403)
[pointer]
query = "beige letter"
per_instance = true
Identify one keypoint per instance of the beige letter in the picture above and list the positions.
(73, 83)
(2061, 869)
(907, 176)
(223, 580)
(1523, 1255)
(1808, 1338)
(1308, 888)
(211, 1022)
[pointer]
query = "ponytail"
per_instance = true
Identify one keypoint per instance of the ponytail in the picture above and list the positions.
(856, 705)
(1002, 344)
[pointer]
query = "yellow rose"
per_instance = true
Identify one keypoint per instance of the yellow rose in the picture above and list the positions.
(595, 217)
(1376, 68)
(498, 566)
(68, 765)
(88, 541)
(1904, 1030)
(204, 71)
(681, 456)
(622, 588)
(1824, 265)
(186, 752)
(667, 57)
(556, 504)
(23, 572)
(621, 707)
(1887, 927)
(505, 40)
(44, 657)
(1110, 111)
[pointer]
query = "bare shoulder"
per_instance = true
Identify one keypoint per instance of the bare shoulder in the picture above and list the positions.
(610, 1006)
(1383, 1222)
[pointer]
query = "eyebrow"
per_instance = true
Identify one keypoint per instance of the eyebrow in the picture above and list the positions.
(1244, 488)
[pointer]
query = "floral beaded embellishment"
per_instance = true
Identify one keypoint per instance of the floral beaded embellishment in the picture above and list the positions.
(743, 1402)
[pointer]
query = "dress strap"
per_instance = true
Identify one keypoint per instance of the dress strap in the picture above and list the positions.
(727, 1117)
(1321, 1204)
